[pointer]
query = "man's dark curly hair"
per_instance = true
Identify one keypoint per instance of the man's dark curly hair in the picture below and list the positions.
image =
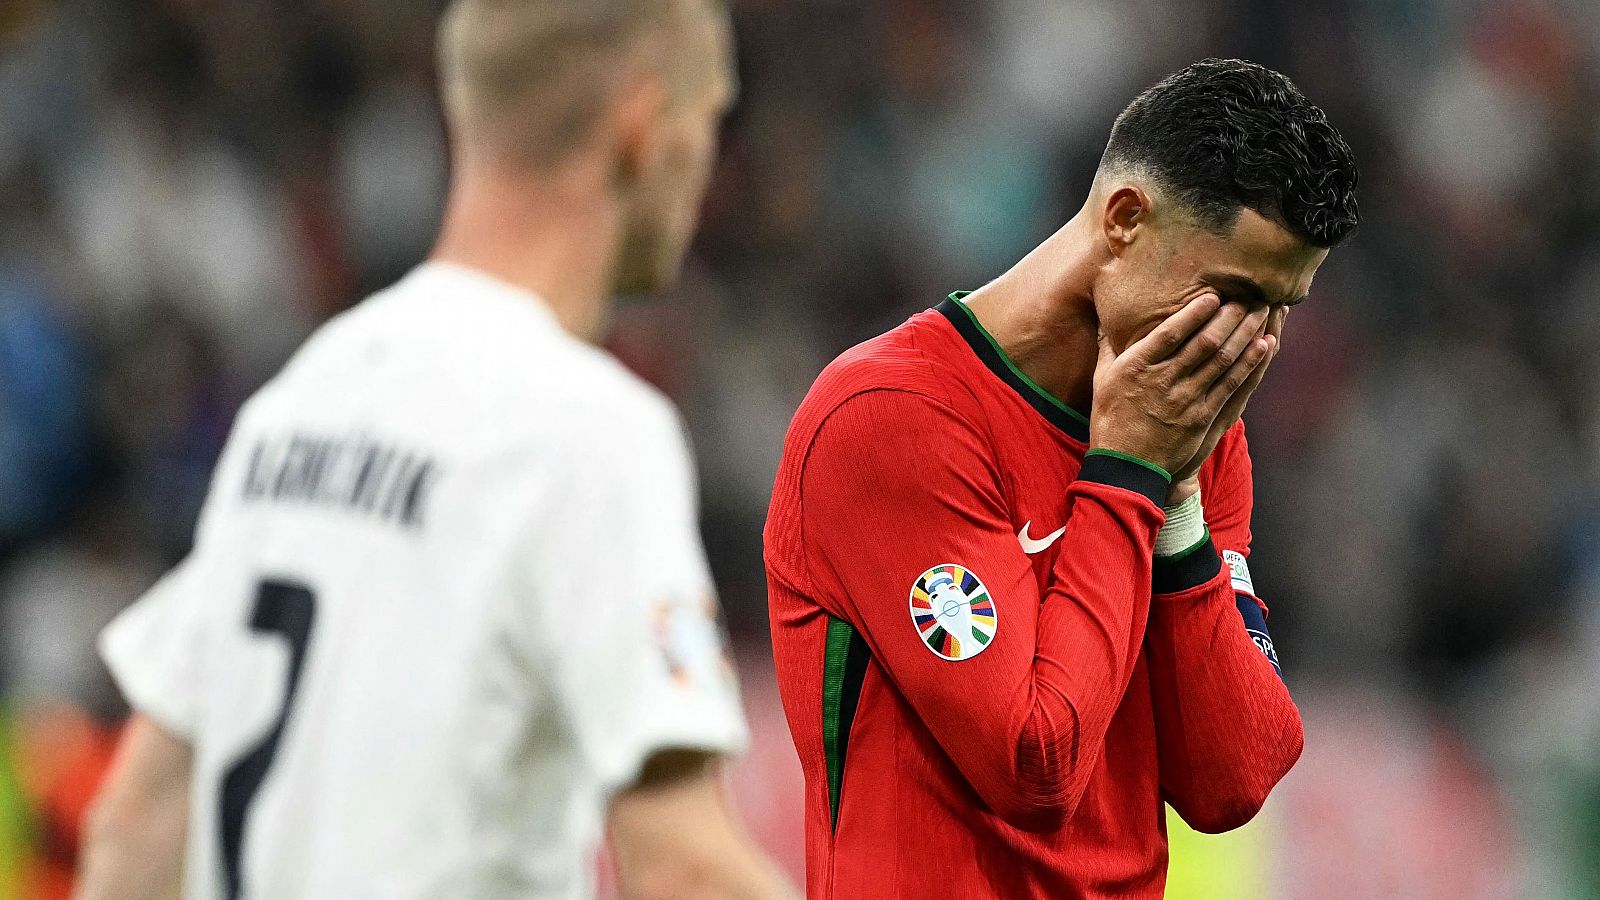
(1224, 134)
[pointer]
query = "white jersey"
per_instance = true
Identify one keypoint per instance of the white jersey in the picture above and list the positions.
(447, 594)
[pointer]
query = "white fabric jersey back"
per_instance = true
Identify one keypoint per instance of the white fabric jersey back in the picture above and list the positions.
(447, 594)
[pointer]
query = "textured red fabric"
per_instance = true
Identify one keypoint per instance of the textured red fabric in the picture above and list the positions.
(1031, 769)
(1226, 728)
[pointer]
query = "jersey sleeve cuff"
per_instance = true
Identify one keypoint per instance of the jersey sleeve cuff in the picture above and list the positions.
(706, 727)
(1190, 569)
(1126, 472)
(133, 668)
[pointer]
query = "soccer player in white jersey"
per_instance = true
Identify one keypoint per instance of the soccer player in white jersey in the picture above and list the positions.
(447, 615)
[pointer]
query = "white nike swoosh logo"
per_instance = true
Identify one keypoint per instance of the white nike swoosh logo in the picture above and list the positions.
(1031, 546)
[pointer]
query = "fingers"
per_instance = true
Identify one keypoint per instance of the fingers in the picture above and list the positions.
(1206, 342)
(1171, 334)
(1229, 394)
(1107, 354)
(1250, 326)
(1275, 323)
(1232, 407)
(1212, 439)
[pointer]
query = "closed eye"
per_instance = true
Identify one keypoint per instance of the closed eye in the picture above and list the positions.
(1241, 289)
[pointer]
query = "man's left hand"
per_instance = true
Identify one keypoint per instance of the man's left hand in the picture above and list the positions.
(1186, 481)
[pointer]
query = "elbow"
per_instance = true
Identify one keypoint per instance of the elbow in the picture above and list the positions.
(1046, 779)
(1225, 812)
(1238, 799)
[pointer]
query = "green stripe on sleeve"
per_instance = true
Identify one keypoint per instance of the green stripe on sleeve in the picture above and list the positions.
(833, 669)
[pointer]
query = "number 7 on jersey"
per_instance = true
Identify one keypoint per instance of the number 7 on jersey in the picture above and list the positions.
(288, 609)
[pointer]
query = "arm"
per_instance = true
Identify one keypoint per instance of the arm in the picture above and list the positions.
(134, 845)
(135, 836)
(1226, 728)
(638, 668)
(1060, 657)
(1063, 646)
(673, 836)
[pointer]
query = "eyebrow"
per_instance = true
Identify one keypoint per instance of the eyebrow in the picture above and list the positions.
(1252, 291)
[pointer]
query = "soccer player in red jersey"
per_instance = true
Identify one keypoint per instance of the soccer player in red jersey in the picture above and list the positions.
(1011, 609)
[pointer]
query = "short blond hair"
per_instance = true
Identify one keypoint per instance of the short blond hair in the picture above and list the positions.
(526, 79)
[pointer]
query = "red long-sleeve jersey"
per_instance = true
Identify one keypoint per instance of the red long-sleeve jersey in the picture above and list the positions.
(991, 685)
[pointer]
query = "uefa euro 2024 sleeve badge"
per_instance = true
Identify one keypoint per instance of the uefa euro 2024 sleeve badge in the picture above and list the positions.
(953, 612)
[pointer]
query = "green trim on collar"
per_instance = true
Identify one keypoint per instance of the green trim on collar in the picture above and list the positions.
(1005, 358)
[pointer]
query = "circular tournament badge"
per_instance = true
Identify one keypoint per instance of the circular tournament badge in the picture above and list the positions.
(953, 612)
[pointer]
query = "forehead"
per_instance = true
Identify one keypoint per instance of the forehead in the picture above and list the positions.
(1257, 250)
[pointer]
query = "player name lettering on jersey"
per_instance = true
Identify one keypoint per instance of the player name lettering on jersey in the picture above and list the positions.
(357, 474)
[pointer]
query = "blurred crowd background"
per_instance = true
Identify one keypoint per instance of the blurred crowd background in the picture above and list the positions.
(188, 187)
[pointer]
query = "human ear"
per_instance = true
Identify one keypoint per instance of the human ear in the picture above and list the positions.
(1123, 217)
(638, 121)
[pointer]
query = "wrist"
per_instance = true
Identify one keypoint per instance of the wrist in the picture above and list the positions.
(1097, 449)
(1183, 487)
(1121, 470)
(1186, 571)
(1185, 527)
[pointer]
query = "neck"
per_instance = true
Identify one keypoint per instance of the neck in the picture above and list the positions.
(1041, 312)
(554, 235)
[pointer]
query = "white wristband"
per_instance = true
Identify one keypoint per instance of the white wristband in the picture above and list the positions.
(1185, 528)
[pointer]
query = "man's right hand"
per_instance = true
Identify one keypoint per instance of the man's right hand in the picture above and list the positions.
(1157, 399)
